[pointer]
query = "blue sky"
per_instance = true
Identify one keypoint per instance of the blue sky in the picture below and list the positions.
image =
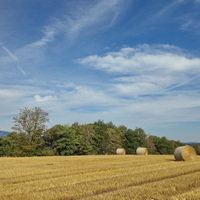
(135, 63)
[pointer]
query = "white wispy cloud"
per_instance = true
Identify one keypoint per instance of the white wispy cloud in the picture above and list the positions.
(101, 13)
(165, 10)
(191, 24)
(190, 21)
(49, 34)
(146, 69)
(87, 96)
(39, 98)
(142, 59)
(153, 19)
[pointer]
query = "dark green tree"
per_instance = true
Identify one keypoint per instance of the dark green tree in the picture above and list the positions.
(197, 148)
(52, 137)
(7, 146)
(134, 139)
(114, 140)
(84, 135)
(100, 138)
(107, 137)
(165, 146)
(18, 144)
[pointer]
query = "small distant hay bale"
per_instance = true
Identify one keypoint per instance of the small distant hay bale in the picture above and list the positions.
(142, 151)
(121, 151)
(184, 153)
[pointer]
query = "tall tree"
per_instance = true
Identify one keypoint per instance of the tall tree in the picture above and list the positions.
(31, 121)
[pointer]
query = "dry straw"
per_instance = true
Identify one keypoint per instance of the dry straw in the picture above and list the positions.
(184, 153)
(121, 151)
(141, 151)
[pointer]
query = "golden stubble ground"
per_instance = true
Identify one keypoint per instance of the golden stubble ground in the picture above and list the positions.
(108, 177)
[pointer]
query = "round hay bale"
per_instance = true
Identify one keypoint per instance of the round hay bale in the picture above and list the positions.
(121, 151)
(184, 153)
(142, 151)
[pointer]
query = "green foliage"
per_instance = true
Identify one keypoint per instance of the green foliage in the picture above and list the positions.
(30, 138)
(52, 136)
(18, 144)
(197, 148)
(107, 138)
(134, 139)
(165, 146)
(7, 146)
(86, 140)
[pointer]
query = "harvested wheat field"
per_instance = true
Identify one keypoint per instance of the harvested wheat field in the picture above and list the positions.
(99, 177)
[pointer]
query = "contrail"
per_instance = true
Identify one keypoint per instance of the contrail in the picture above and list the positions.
(14, 58)
(22, 71)
(184, 82)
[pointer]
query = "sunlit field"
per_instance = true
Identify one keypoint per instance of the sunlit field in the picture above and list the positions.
(99, 177)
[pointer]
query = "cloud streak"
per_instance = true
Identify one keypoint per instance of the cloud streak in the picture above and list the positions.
(14, 58)
(146, 69)
(49, 34)
(103, 13)
(143, 59)
(98, 14)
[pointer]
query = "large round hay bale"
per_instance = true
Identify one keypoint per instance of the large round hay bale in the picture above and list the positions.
(184, 153)
(142, 151)
(121, 151)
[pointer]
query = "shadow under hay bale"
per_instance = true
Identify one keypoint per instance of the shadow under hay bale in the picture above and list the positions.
(142, 151)
(120, 151)
(184, 153)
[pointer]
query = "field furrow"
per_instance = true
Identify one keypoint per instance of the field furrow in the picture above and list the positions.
(98, 177)
(165, 189)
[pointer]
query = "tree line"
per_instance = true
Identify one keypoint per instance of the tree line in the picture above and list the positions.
(31, 138)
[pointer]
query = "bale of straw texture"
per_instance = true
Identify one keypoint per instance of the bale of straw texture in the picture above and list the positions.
(121, 151)
(141, 151)
(184, 153)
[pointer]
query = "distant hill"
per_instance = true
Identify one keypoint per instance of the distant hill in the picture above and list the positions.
(191, 143)
(3, 133)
